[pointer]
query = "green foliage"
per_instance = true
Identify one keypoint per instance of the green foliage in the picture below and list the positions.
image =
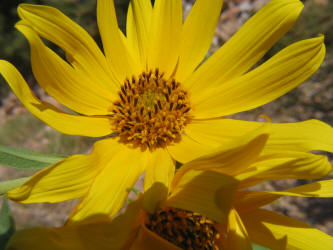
(23, 159)
(7, 226)
(257, 247)
(134, 190)
(26, 159)
(5, 186)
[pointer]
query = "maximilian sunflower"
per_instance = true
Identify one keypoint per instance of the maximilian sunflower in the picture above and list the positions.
(207, 206)
(151, 92)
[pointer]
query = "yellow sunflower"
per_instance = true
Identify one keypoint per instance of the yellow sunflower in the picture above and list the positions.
(154, 94)
(207, 206)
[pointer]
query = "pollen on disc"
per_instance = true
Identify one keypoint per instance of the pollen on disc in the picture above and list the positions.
(151, 111)
(184, 229)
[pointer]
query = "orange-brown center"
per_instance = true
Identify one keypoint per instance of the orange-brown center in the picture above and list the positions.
(185, 229)
(151, 111)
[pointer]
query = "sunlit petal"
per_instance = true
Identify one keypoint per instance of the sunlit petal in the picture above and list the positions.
(247, 46)
(202, 32)
(274, 78)
(57, 119)
(277, 231)
(68, 179)
(110, 188)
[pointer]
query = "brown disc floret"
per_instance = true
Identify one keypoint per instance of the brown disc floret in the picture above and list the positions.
(185, 229)
(151, 111)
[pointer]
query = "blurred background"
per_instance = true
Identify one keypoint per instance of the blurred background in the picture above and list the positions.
(313, 99)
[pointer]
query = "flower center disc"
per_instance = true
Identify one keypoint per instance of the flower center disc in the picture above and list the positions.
(151, 112)
(185, 229)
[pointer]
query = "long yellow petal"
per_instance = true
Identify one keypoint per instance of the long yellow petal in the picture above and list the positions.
(315, 189)
(123, 63)
(298, 136)
(61, 121)
(137, 27)
(285, 165)
(247, 46)
(249, 200)
(80, 48)
(109, 190)
(46, 238)
(63, 82)
(197, 35)
(160, 169)
(205, 192)
(230, 159)
(280, 74)
(102, 235)
(165, 35)
(68, 179)
(277, 231)
(237, 236)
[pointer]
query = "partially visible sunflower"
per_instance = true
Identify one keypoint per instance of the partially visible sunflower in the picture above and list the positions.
(207, 206)
(151, 91)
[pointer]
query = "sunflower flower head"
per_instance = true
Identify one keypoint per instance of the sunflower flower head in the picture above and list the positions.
(151, 111)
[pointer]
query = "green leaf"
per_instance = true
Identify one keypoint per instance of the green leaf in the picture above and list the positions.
(8, 185)
(136, 191)
(7, 226)
(26, 159)
(258, 247)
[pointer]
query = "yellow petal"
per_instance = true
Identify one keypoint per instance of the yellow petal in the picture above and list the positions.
(298, 136)
(160, 169)
(249, 200)
(232, 158)
(285, 165)
(63, 82)
(109, 190)
(316, 189)
(68, 179)
(247, 46)
(199, 26)
(205, 192)
(165, 35)
(61, 121)
(146, 239)
(237, 236)
(280, 74)
(80, 48)
(123, 63)
(102, 235)
(137, 27)
(277, 231)
(45, 238)
(97, 232)
(187, 149)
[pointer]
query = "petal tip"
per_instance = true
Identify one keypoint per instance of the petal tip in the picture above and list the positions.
(24, 7)
(19, 194)
(321, 37)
